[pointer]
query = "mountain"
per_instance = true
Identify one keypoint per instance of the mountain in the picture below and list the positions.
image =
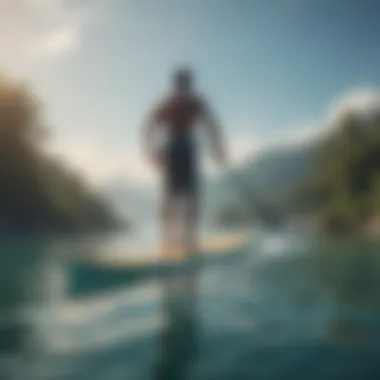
(262, 184)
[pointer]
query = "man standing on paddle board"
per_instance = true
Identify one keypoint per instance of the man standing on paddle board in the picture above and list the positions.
(177, 115)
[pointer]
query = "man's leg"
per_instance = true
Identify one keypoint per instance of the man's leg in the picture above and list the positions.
(191, 225)
(191, 247)
(167, 223)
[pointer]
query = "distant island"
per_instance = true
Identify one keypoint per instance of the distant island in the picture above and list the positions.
(38, 192)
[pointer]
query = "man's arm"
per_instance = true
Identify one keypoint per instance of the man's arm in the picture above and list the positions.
(150, 130)
(215, 133)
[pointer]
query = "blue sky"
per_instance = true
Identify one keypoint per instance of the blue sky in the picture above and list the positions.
(270, 67)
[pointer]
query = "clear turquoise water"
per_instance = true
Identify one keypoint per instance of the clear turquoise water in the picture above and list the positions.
(284, 307)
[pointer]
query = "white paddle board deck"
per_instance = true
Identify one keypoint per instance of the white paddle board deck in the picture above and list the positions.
(217, 244)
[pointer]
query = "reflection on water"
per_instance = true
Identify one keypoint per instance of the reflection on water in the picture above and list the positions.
(350, 271)
(285, 307)
(26, 266)
(178, 341)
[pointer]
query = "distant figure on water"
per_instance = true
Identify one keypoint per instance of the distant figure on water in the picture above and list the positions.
(176, 118)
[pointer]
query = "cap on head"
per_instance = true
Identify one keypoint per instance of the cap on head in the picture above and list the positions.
(183, 78)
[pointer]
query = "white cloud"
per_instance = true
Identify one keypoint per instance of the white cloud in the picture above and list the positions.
(239, 148)
(55, 44)
(32, 31)
(100, 163)
(242, 146)
(363, 102)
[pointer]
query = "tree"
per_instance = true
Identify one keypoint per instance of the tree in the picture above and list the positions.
(37, 191)
(343, 186)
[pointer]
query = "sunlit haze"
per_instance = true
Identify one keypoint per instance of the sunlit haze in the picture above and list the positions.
(274, 71)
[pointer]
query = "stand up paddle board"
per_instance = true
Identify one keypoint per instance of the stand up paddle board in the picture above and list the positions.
(111, 268)
(149, 254)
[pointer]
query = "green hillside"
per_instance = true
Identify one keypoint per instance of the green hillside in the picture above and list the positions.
(37, 191)
(334, 181)
(343, 189)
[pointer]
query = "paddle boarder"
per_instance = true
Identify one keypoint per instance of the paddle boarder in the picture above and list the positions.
(176, 118)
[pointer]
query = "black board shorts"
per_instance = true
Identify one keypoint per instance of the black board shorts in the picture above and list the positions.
(181, 169)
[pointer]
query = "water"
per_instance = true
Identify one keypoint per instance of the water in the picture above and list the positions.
(284, 307)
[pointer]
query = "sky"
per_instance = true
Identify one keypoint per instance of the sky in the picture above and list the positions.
(273, 70)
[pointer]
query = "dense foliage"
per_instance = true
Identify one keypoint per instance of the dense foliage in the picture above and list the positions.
(37, 191)
(335, 180)
(344, 187)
